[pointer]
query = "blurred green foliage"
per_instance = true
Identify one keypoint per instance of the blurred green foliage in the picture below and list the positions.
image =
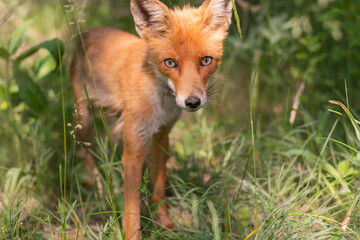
(315, 42)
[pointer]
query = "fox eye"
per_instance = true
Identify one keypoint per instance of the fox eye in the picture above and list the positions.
(170, 63)
(206, 61)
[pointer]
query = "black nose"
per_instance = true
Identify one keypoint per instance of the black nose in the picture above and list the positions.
(192, 102)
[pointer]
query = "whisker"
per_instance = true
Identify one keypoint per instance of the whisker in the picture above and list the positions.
(214, 87)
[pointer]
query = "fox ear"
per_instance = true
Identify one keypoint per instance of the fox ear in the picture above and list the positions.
(149, 14)
(218, 13)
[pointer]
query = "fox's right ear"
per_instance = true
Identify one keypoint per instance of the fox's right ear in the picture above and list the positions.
(150, 15)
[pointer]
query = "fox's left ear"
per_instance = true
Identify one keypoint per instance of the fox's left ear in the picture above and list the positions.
(218, 13)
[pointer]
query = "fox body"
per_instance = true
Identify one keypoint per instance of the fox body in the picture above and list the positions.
(146, 82)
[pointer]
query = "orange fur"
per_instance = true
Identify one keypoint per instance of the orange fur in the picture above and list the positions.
(128, 76)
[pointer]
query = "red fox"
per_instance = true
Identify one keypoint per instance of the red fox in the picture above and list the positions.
(147, 81)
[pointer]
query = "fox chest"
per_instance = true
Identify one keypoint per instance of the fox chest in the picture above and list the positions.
(165, 114)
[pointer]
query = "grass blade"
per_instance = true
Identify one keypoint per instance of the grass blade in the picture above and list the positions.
(353, 121)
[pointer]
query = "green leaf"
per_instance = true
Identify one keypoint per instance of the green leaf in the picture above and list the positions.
(155, 207)
(345, 169)
(54, 46)
(16, 37)
(215, 220)
(332, 171)
(305, 153)
(143, 187)
(343, 166)
(4, 53)
(30, 92)
(11, 180)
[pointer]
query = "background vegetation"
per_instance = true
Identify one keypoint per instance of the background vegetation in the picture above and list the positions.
(265, 160)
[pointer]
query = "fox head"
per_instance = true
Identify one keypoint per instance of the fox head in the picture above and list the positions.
(185, 45)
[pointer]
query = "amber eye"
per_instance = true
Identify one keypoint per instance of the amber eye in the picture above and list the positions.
(170, 63)
(206, 61)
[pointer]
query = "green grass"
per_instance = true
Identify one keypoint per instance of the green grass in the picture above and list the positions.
(300, 193)
(237, 169)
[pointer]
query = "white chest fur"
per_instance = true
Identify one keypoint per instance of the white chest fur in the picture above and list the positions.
(166, 111)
